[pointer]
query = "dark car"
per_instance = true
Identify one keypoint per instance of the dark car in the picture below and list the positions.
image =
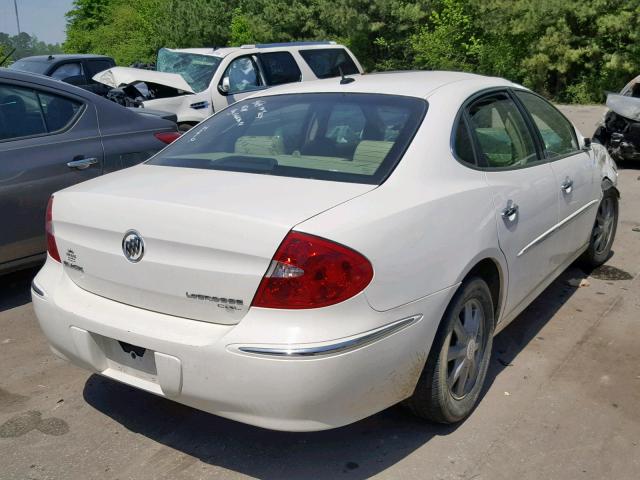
(76, 69)
(53, 135)
(620, 129)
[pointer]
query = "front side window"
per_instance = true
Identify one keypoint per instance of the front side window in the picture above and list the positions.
(501, 132)
(356, 138)
(279, 68)
(557, 133)
(67, 70)
(20, 114)
(329, 62)
(243, 75)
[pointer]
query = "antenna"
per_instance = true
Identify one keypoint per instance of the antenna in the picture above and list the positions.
(15, 6)
(345, 80)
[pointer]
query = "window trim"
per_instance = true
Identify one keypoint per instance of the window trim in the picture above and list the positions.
(533, 131)
(40, 88)
(537, 130)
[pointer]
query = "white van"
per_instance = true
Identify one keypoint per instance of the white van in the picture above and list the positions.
(195, 82)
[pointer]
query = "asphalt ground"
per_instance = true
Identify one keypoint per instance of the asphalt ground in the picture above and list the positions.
(562, 400)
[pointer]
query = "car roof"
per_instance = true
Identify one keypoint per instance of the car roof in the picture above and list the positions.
(43, 80)
(420, 84)
(263, 48)
(62, 56)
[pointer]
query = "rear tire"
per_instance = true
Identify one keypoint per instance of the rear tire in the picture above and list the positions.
(185, 127)
(445, 393)
(603, 232)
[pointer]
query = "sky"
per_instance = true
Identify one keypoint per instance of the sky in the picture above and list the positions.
(42, 18)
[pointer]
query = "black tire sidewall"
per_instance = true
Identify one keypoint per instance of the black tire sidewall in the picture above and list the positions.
(592, 258)
(454, 410)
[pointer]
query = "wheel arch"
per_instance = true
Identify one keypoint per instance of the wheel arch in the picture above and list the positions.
(493, 270)
(607, 183)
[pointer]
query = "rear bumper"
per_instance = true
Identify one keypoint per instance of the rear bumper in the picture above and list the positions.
(287, 382)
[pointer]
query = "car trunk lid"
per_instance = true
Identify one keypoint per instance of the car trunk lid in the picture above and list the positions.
(208, 235)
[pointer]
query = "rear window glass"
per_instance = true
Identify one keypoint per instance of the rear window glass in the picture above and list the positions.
(345, 137)
(328, 62)
(30, 66)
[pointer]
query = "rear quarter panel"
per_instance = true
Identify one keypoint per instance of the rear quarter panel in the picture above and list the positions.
(427, 225)
(127, 136)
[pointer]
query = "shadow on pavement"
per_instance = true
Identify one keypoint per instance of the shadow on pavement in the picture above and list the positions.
(15, 288)
(362, 449)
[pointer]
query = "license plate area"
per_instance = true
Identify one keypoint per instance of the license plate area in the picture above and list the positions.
(129, 359)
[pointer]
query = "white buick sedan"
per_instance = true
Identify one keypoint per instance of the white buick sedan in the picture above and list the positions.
(315, 254)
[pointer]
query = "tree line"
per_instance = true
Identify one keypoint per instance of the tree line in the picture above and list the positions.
(24, 45)
(569, 51)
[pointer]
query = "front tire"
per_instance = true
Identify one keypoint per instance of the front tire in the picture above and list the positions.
(454, 374)
(603, 232)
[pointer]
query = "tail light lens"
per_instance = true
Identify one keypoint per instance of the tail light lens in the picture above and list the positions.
(52, 248)
(167, 137)
(311, 272)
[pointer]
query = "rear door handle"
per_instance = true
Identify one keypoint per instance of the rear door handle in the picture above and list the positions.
(567, 186)
(82, 163)
(510, 212)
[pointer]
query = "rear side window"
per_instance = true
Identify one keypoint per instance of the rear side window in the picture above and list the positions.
(463, 146)
(503, 137)
(25, 112)
(279, 68)
(97, 66)
(557, 133)
(356, 138)
(58, 112)
(328, 62)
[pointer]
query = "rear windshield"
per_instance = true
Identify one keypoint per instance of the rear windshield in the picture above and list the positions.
(344, 137)
(29, 66)
(329, 62)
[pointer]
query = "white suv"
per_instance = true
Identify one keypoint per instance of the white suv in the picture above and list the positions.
(195, 82)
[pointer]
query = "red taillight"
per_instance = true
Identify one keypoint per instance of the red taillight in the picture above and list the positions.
(167, 137)
(311, 272)
(52, 248)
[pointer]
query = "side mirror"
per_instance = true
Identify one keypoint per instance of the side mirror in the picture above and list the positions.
(586, 144)
(225, 86)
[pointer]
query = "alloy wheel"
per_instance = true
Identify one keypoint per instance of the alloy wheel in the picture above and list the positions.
(603, 228)
(465, 349)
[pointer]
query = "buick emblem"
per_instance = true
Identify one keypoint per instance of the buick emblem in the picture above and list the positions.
(133, 246)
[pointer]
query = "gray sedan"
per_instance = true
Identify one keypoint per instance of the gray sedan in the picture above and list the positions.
(53, 135)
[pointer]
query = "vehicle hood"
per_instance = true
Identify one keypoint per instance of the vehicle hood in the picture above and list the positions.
(209, 236)
(625, 106)
(118, 76)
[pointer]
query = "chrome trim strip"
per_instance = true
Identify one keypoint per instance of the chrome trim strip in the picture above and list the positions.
(557, 227)
(37, 289)
(334, 348)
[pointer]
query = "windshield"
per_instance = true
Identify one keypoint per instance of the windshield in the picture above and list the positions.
(197, 70)
(345, 137)
(28, 66)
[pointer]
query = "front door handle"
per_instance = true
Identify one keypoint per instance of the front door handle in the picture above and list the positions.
(510, 213)
(567, 186)
(82, 163)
